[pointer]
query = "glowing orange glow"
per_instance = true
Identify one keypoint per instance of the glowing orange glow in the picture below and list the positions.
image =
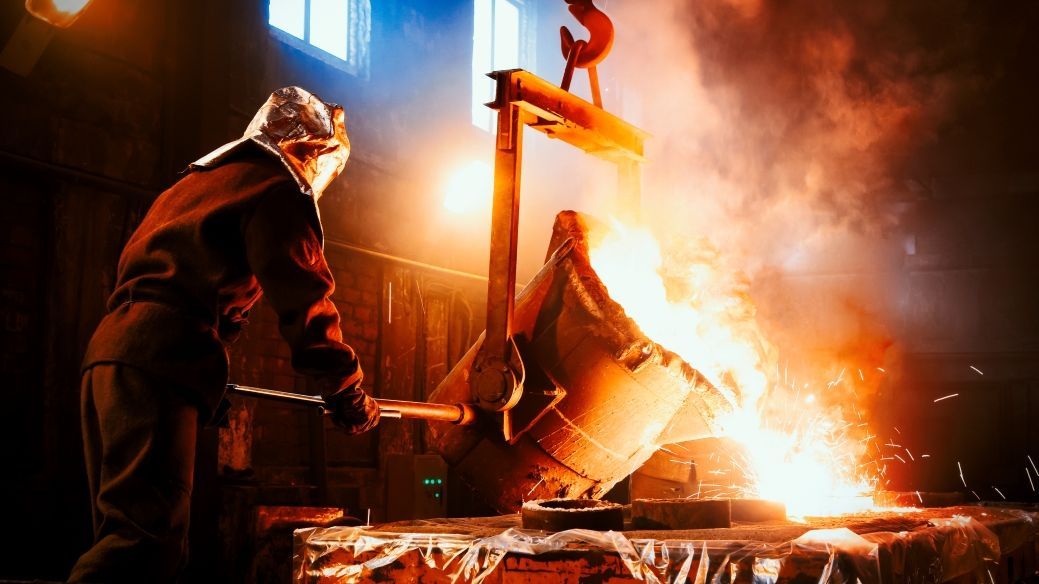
(470, 188)
(794, 450)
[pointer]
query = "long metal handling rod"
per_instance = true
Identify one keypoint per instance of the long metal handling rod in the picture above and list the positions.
(460, 414)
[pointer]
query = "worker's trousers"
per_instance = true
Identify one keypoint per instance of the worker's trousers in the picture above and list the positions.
(139, 437)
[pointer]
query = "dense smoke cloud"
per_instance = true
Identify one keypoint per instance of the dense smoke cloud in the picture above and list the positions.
(791, 134)
(777, 124)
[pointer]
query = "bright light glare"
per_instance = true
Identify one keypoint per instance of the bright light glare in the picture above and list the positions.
(482, 86)
(328, 19)
(496, 46)
(469, 188)
(800, 455)
(70, 6)
(287, 15)
(506, 35)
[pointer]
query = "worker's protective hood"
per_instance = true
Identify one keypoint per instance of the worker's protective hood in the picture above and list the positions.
(306, 134)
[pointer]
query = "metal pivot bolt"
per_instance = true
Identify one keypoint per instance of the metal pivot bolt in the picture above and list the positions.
(497, 385)
(493, 384)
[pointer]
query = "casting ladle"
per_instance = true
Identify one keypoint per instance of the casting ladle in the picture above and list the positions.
(459, 414)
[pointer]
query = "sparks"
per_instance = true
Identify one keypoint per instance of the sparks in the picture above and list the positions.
(919, 497)
(897, 430)
(961, 473)
(1030, 482)
(881, 369)
(995, 488)
(925, 456)
(976, 370)
(975, 495)
(1032, 462)
(900, 459)
(910, 455)
(860, 375)
(946, 397)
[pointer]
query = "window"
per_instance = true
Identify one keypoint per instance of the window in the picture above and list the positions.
(503, 38)
(336, 31)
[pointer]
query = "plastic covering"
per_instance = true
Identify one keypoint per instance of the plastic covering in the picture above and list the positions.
(946, 548)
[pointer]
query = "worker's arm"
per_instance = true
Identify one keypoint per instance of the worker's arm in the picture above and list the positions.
(284, 252)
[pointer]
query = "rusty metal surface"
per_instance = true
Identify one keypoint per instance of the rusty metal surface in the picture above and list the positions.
(561, 114)
(681, 514)
(563, 514)
(497, 375)
(621, 391)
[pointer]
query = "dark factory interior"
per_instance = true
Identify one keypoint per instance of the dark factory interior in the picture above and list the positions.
(768, 255)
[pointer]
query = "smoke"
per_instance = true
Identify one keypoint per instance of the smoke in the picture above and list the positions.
(786, 132)
(777, 125)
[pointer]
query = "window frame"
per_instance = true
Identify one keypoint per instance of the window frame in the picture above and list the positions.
(527, 50)
(358, 38)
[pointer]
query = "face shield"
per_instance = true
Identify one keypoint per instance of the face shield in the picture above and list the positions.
(306, 134)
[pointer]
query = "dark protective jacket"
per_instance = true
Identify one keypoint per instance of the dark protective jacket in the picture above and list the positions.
(201, 258)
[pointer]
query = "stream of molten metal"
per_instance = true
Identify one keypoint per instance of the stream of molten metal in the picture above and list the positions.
(793, 449)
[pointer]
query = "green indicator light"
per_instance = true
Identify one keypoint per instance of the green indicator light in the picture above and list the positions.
(440, 481)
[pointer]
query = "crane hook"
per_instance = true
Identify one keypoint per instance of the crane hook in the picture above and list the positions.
(582, 53)
(600, 29)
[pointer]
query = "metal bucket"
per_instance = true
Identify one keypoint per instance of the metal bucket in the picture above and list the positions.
(599, 396)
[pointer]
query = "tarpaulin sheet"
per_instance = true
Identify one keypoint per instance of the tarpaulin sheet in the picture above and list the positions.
(946, 548)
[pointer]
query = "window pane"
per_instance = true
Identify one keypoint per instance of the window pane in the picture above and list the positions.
(287, 15)
(506, 35)
(483, 86)
(328, 20)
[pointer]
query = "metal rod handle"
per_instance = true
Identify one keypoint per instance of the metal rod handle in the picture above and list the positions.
(461, 414)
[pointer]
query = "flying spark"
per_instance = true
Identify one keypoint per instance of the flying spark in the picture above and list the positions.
(1030, 481)
(925, 456)
(910, 455)
(976, 370)
(976, 495)
(946, 397)
(1032, 462)
(1000, 492)
(919, 497)
(961, 473)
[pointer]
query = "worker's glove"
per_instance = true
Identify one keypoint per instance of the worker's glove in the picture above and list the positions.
(353, 410)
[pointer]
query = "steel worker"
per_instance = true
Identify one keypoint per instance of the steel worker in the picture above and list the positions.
(243, 223)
